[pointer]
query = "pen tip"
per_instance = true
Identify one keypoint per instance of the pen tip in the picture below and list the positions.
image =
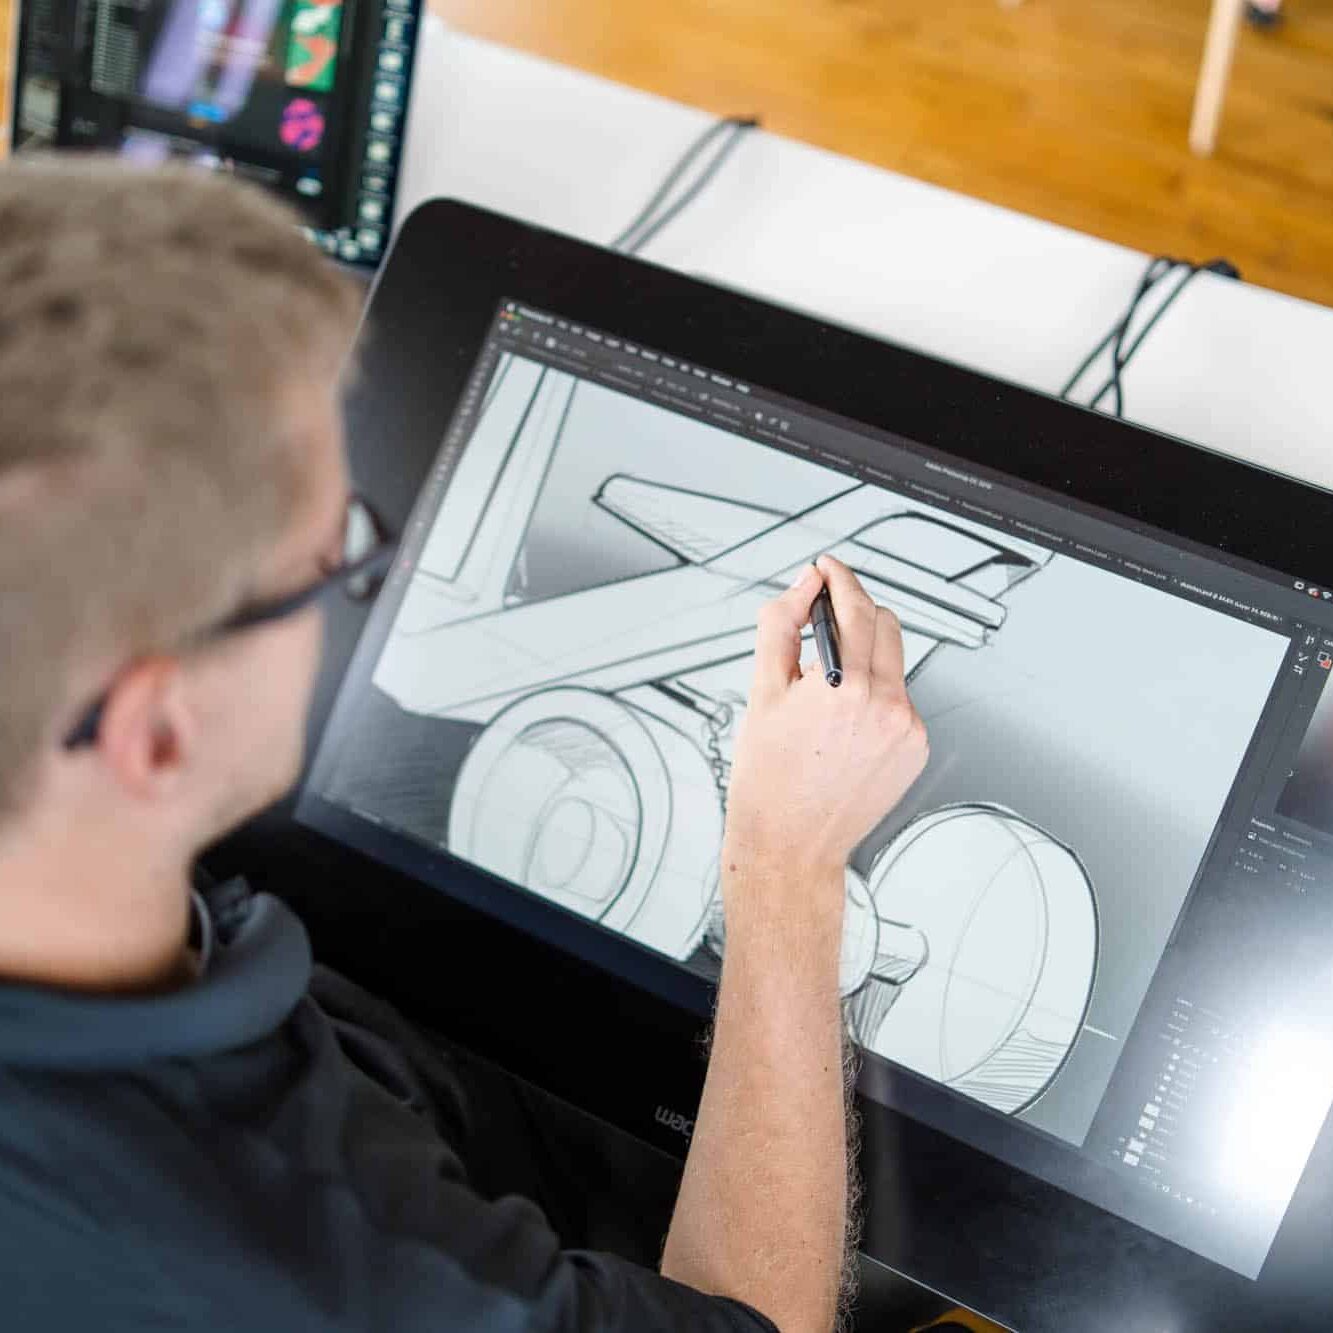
(834, 677)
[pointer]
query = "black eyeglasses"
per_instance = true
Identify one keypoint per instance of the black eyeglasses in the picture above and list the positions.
(368, 549)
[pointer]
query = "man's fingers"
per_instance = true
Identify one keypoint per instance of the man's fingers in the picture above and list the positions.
(886, 662)
(777, 649)
(854, 613)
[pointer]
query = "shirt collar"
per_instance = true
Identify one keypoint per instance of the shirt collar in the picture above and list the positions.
(257, 971)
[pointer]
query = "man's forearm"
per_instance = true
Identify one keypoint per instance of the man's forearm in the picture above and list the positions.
(762, 1209)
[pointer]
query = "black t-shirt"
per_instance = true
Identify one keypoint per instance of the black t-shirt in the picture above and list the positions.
(211, 1159)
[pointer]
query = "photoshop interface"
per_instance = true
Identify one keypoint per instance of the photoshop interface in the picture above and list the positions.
(1130, 786)
(307, 97)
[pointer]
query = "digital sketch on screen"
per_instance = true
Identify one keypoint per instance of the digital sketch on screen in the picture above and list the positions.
(578, 636)
(600, 778)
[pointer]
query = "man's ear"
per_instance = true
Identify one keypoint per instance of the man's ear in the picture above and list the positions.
(147, 733)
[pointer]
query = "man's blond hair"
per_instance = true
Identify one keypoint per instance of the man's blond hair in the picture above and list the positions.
(154, 327)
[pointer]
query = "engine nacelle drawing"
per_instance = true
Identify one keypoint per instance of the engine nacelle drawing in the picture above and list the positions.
(1009, 919)
(599, 807)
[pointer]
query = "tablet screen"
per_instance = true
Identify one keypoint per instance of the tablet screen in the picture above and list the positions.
(1093, 940)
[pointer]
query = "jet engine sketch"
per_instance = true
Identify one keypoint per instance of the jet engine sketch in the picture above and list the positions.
(604, 809)
(1007, 923)
(610, 713)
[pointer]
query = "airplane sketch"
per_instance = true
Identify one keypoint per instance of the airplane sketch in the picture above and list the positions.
(609, 713)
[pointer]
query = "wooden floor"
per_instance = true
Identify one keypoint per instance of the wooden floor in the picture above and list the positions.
(1072, 110)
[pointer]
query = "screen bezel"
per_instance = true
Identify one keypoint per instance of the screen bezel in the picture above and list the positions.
(988, 1234)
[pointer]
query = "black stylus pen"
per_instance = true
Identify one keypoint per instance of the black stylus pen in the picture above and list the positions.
(826, 637)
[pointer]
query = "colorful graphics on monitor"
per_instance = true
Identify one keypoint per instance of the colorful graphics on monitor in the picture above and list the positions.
(312, 44)
(302, 126)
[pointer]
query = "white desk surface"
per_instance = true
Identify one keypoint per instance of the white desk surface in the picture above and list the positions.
(1231, 366)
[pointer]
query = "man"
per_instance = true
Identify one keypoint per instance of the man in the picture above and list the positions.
(183, 1141)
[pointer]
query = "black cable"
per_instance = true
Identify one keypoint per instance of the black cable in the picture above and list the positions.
(1122, 355)
(1152, 276)
(1087, 361)
(1158, 269)
(691, 194)
(645, 225)
(672, 176)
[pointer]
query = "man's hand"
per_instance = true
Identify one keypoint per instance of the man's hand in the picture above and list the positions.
(762, 1212)
(816, 768)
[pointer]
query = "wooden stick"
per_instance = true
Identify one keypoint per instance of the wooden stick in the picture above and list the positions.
(1218, 48)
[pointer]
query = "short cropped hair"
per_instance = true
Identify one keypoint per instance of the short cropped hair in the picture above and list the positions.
(153, 327)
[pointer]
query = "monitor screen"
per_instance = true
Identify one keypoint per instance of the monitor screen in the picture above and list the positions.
(1093, 940)
(306, 97)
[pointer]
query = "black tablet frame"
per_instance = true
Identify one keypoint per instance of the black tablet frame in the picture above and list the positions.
(986, 1233)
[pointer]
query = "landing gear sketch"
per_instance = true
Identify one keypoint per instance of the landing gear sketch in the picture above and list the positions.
(559, 696)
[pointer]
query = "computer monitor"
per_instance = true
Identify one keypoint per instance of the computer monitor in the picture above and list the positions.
(1088, 959)
(307, 97)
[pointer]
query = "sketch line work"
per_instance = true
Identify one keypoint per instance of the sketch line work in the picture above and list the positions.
(610, 709)
(1011, 919)
(578, 797)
